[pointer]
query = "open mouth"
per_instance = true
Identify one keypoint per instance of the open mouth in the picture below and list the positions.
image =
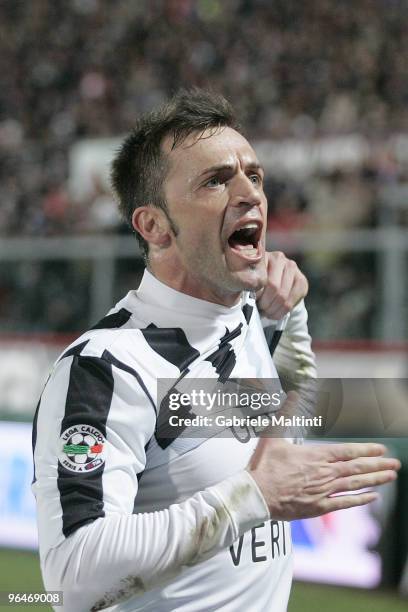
(246, 240)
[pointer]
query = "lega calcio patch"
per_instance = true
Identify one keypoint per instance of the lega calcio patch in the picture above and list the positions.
(82, 449)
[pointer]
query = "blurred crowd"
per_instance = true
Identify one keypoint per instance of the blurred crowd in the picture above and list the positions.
(74, 69)
(79, 69)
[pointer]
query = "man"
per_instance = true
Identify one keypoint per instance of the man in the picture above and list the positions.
(131, 521)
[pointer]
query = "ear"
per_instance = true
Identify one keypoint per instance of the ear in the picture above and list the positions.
(152, 224)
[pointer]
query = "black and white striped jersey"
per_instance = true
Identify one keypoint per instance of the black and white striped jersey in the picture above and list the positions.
(129, 523)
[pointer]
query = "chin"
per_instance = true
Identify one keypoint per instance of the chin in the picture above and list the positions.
(252, 279)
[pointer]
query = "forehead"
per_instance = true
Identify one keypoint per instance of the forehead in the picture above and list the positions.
(215, 146)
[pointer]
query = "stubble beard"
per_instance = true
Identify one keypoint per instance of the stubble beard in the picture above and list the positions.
(224, 281)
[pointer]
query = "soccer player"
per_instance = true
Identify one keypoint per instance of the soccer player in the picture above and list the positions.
(129, 520)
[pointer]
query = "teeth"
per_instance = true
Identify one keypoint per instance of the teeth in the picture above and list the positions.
(249, 226)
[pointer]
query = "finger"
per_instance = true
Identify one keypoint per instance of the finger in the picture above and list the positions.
(364, 465)
(268, 304)
(288, 279)
(353, 450)
(362, 481)
(275, 265)
(277, 299)
(292, 289)
(300, 288)
(341, 502)
(275, 309)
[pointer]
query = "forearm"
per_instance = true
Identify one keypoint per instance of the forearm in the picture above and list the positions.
(123, 555)
(293, 356)
(294, 359)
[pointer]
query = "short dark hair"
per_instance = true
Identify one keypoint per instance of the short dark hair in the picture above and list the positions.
(140, 167)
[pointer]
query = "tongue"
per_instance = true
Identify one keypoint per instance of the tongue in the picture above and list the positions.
(243, 247)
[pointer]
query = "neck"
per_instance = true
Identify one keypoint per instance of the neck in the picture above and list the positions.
(177, 279)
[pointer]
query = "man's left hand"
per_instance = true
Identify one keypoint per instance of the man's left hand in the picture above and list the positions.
(285, 287)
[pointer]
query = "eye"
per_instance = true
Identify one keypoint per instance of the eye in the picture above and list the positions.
(215, 181)
(256, 179)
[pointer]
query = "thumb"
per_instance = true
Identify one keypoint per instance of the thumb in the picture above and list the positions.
(259, 451)
(290, 404)
(288, 408)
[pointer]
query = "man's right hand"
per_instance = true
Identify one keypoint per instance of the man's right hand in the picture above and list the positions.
(301, 481)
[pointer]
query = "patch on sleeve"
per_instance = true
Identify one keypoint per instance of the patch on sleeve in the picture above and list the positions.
(82, 449)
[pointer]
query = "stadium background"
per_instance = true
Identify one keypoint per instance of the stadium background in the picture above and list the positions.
(322, 89)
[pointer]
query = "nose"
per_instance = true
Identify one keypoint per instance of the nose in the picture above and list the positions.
(244, 192)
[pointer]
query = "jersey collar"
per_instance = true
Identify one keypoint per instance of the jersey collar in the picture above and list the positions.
(155, 293)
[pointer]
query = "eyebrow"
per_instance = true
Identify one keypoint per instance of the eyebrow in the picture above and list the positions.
(220, 167)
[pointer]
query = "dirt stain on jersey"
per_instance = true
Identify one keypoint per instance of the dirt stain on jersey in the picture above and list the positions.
(129, 586)
(206, 535)
(202, 539)
(239, 495)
